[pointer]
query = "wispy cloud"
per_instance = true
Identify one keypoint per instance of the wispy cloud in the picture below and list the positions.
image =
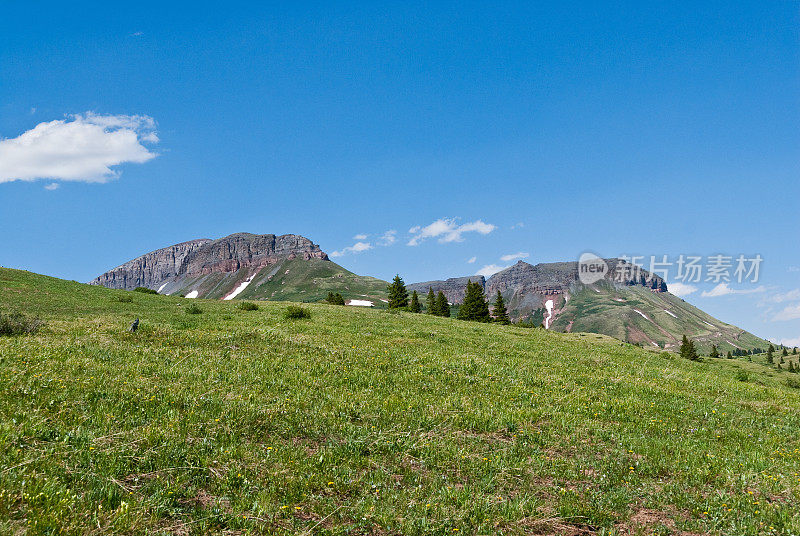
(448, 230)
(388, 238)
(52, 186)
(490, 269)
(790, 312)
(790, 342)
(518, 225)
(472, 260)
(723, 289)
(514, 256)
(360, 237)
(358, 247)
(81, 148)
(681, 289)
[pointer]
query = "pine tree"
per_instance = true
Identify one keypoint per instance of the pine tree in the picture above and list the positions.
(791, 366)
(499, 311)
(785, 352)
(430, 302)
(729, 356)
(474, 307)
(770, 350)
(688, 350)
(398, 295)
(794, 352)
(415, 306)
(714, 352)
(442, 307)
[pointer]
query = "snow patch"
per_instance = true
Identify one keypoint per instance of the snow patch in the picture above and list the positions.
(192, 294)
(707, 324)
(384, 301)
(360, 303)
(239, 289)
(549, 306)
(670, 314)
(736, 345)
(162, 287)
(641, 313)
(655, 344)
(618, 299)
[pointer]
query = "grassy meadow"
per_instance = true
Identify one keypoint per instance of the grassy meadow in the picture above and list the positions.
(360, 421)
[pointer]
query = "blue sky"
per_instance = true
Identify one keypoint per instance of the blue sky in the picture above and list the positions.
(548, 131)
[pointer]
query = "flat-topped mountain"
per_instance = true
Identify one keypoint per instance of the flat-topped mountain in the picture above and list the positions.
(243, 265)
(636, 307)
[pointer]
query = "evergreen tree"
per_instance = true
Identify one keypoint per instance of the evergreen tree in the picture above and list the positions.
(784, 353)
(770, 350)
(474, 307)
(335, 299)
(791, 366)
(688, 350)
(398, 295)
(794, 352)
(729, 355)
(714, 352)
(499, 311)
(442, 307)
(430, 302)
(415, 306)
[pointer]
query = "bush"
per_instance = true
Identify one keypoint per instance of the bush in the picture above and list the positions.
(742, 376)
(145, 290)
(193, 309)
(19, 324)
(125, 299)
(296, 312)
(247, 306)
(794, 383)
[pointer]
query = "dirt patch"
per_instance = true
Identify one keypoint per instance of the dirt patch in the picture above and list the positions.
(647, 521)
(554, 527)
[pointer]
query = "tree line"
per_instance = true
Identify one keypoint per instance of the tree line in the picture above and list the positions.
(475, 307)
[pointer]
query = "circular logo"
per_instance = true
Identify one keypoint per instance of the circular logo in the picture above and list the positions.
(591, 268)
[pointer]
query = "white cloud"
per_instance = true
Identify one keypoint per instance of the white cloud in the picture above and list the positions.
(791, 295)
(82, 148)
(360, 237)
(447, 230)
(723, 290)
(472, 260)
(52, 186)
(790, 312)
(681, 289)
(794, 268)
(358, 247)
(388, 238)
(514, 256)
(518, 225)
(791, 342)
(490, 269)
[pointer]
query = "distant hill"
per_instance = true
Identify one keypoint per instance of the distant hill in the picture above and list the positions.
(243, 265)
(640, 310)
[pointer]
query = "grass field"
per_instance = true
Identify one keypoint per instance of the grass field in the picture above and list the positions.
(365, 422)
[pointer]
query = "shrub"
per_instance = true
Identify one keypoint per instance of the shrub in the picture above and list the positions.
(125, 299)
(296, 312)
(19, 324)
(247, 306)
(145, 290)
(742, 376)
(193, 309)
(794, 383)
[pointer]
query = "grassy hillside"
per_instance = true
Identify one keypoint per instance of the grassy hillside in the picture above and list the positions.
(364, 422)
(637, 315)
(287, 280)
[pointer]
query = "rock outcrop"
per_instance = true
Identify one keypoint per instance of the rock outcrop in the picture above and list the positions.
(526, 287)
(204, 256)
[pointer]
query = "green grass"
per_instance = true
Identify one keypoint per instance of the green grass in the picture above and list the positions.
(362, 422)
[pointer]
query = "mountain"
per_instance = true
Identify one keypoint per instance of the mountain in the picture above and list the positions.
(242, 265)
(639, 309)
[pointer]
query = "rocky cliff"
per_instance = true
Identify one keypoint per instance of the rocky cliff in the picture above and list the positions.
(453, 288)
(202, 257)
